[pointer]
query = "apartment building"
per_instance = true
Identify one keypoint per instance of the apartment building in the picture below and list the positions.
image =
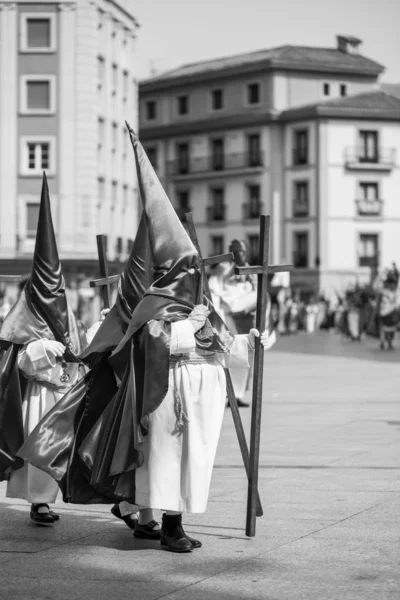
(67, 84)
(300, 133)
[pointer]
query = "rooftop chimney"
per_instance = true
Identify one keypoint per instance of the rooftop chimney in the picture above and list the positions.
(348, 44)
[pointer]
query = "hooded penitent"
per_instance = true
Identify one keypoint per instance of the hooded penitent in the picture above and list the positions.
(88, 405)
(41, 311)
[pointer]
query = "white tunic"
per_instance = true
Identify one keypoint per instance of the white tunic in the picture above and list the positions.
(44, 389)
(177, 469)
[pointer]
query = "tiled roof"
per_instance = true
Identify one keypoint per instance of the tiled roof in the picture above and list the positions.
(377, 104)
(391, 88)
(297, 57)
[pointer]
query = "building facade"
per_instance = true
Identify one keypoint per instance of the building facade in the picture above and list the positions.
(302, 134)
(67, 84)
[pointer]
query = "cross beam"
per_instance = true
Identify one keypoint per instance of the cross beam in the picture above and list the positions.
(105, 282)
(261, 270)
(213, 260)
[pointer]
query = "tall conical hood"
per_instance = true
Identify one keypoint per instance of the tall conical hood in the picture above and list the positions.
(175, 259)
(136, 276)
(135, 279)
(44, 292)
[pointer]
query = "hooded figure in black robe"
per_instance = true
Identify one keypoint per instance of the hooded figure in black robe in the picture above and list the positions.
(41, 342)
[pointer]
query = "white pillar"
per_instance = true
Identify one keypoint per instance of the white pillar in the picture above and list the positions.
(67, 131)
(8, 127)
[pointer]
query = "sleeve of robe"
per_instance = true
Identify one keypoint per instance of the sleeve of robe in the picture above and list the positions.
(183, 341)
(37, 363)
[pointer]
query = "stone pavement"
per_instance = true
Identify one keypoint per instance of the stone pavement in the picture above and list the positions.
(329, 482)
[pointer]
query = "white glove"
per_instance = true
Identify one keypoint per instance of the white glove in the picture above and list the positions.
(104, 313)
(53, 347)
(198, 316)
(253, 334)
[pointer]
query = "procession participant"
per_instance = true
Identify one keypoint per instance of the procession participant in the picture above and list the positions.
(388, 307)
(41, 342)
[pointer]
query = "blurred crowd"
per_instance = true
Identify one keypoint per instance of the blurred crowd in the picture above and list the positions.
(372, 309)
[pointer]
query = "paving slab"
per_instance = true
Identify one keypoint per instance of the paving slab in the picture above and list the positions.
(329, 483)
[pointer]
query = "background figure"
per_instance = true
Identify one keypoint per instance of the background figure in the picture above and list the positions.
(388, 305)
(311, 315)
(238, 299)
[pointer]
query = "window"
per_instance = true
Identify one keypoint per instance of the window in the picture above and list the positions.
(37, 94)
(327, 89)
(217, 245)
(183, 200)
(151, 110)
(368, 202)
(368, 250)
(100, 72)
(101, 191)
(253, 149)
(37, 155)
(217, 153)
(254, 205)
(254, 249)
(300, 249)
(119, 247)
(343, 89)
(125, 85)
(183, 206)
(300, 147)
(114, 79)
(300, 200)
(38, 32)
(217, 211)
(368, 148)
(114, 137)
(183, 105)
(151, 152)
(32, 215)
(253, 93)
(182, 151)
(217, 99)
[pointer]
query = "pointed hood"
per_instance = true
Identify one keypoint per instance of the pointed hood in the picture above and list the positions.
(175, 259)
(42, 309)
(135, 279)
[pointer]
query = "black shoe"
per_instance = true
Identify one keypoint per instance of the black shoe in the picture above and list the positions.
(131, 523)
(147, 532)
(55, 516)
(172, 536)
(44, 519)
(242, 403)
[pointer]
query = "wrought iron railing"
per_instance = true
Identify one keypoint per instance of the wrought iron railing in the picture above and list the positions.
(369, 208)
(252, 210)
(216, 213)
(378, 156)
(226, 162)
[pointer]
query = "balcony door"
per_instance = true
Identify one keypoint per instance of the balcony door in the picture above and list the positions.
(368, 147)
(253, 149)
(217, 153)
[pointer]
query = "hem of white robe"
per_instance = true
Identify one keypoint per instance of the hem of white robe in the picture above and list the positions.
(162, 503)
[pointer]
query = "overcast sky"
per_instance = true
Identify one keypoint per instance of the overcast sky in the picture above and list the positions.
(175, 32)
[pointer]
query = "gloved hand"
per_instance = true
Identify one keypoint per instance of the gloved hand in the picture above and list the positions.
(253, 334)
(104, 313)
(53, 347)
(198, 316)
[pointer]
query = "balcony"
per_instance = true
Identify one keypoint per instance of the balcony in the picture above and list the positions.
(369, 261)
(207, 165)
(383, 159)
(252, 211)
(299, 157)
(300, 209)
(216, 214)
(369, 208)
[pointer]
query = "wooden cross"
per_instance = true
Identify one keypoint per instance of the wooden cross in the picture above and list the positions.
(261, 270)
(106, 281)
(213, 260)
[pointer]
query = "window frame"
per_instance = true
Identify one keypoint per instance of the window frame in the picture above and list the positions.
(212, 92)
(24, 18)
(24, 170)
(248, 84)
(296, 234)
(367, 263)
(185, 99)
(218, 205)
(24, 110)
(326, 86)
(28, 203)
(343, 87)
(220, 238)
(296, 186)
(295, 147)
(152, 150)
(146, 103)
